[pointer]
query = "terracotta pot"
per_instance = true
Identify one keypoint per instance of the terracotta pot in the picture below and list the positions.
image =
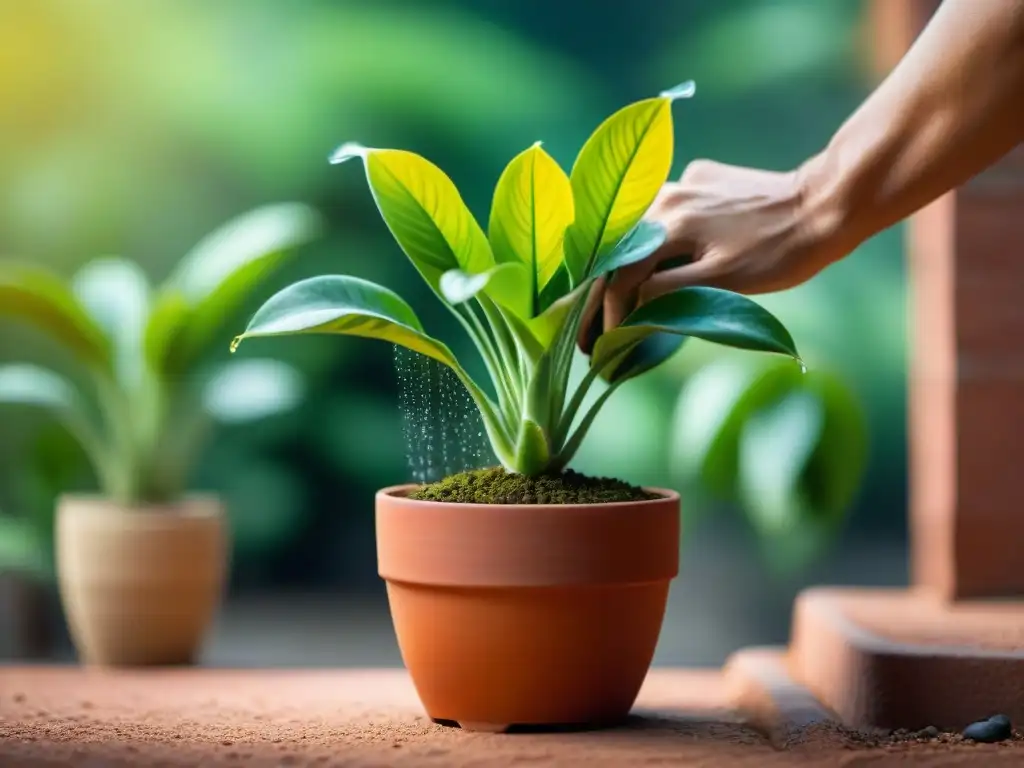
(527, 614)
(140, 585)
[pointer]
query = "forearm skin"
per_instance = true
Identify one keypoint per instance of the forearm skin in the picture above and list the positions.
(952, 107)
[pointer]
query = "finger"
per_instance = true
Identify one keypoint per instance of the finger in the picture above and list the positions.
(590, 327)
(622, 290)
(707, 273)
(620, 297)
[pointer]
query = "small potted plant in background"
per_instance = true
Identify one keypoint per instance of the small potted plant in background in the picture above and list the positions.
(141, 566)
(528, 593)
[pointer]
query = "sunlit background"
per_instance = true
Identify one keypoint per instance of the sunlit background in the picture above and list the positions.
(134, 129)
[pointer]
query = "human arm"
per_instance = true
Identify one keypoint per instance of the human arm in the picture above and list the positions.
(952, 107)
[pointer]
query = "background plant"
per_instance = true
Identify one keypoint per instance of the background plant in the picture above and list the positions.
(519, 291)
(146, 392)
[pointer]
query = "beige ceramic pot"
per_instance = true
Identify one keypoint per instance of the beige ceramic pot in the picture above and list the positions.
(140, 585)
(527, 614)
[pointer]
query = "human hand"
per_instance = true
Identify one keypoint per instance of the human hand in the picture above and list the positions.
(745, 230)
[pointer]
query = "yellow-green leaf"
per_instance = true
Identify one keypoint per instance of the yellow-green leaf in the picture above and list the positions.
(424, 211)
(36, 296)
(617, 175)
(508, 284)
(532, 208)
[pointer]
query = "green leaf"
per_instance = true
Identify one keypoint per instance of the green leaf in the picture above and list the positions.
(248, 389)
(646, 356)
(712, 409)
(508, 284)
(40, 298)
(336, 304)
(639, 243)
(547, 324)
(617, 175)
(27, 384)
(30, 385)
(258, 238)
(197, 303)
(557, 288)
(532, 207)
(835, 470)
(115, 292)
(424, 211)
(776, 445)
(711, 314)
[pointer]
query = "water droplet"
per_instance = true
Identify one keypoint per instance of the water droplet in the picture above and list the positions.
(441, 425)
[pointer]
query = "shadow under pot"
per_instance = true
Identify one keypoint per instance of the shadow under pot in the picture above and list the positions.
(140, 585)
(527, 615)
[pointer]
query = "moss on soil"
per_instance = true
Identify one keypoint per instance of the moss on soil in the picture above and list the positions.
(496, 486)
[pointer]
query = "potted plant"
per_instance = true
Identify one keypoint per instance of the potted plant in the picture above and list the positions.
(528, 593)
(141, 566)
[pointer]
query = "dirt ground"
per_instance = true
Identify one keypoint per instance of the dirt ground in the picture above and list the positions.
(56, 717)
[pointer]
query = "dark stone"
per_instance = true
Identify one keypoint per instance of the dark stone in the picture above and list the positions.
(996, 728)
(931, 732)
(1003, 722)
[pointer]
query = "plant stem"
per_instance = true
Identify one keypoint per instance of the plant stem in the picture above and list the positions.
(572, 445)
(122, 474)
(506, 399)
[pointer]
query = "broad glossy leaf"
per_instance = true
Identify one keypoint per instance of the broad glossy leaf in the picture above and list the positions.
(424, 211)
(639, 243)
(646, 356)
(711, 314)
(263, 235)
(507, 284)
(775, 446)
(337, 304)
(198, 302)
(116, 293)
(835, 470)
(26, 384)
(801, 459)
(40, 298)
(532, 207)
(617, 175)
(713, 408)
(249, 389)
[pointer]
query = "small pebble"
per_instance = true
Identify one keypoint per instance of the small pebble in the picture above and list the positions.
(931, 732)
(995, 728)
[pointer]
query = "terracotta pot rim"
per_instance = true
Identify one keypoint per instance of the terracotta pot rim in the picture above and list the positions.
(402, 492)
(189, 506)
(526, 545)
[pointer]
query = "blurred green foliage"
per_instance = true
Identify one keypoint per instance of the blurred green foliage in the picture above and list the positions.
(137, 127)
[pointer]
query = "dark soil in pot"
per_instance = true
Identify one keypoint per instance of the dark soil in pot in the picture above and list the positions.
(496, 486)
